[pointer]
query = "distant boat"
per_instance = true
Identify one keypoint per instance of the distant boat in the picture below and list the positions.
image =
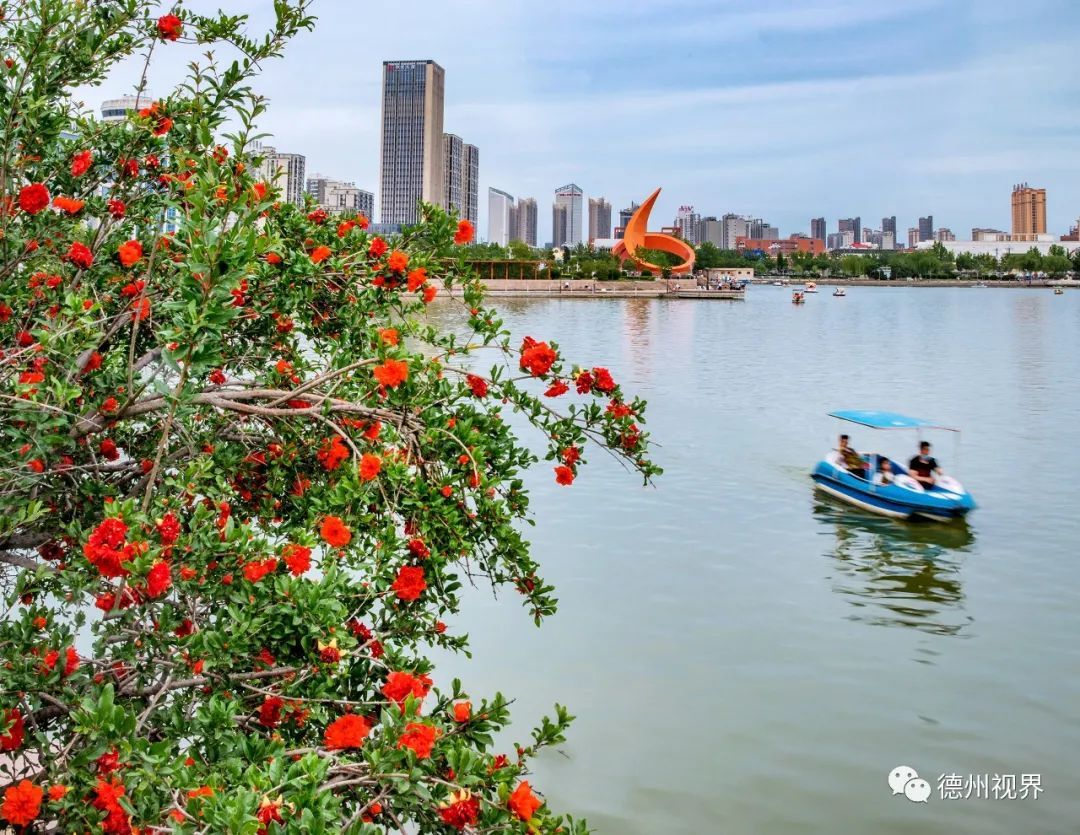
(980, 285)
(778, 283)
(811, 287)
(840, 292)
(797, 297)
(1059, 291)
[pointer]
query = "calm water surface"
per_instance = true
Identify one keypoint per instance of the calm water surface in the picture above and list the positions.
(745, 657)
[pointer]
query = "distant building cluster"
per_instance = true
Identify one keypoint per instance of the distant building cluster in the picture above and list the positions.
(420, 162)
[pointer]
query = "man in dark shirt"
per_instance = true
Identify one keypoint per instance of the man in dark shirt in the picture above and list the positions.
(924, 466)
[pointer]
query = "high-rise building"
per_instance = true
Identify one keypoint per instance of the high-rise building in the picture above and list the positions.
(888, 224)
(461, 174)
(566, 216)
(470, 184)
(453, 175)
(337, 196)
(759, 229)
(624, 218)
(599, 218)
(926, 228)
(686, 221)
(840, 240)
(817, 228)
(912, 236)
(979, 233)
(501, 212)
(944, 233)
(711, 230)
(734, 227)
(411, 161)
(525, 224)
(852, 225)
(285, 172)
(1028, 212)
(888, 240)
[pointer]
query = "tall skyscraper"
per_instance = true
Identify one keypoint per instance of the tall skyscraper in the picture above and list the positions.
(761, 230)
(411, 161)
(734, 227)
(336, 196)
(470, 183)
(453, 175)
(501, 213)
(817, 228)
(599, 218)
(711, 231)
(888, 224)
(285, 172)
(526, 221)
(926, 228)
(624, 218)
(687, 221)
(461, 176)
(912, 236)
(944, 234)
(852, 225)
(1028, 212)
(566, 216)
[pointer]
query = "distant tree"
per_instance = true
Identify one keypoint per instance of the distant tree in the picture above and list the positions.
(521, 251)
(707, 256)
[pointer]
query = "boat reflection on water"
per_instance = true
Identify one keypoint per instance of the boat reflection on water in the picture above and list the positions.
(898, 573)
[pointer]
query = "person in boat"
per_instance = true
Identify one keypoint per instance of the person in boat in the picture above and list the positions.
(850, 458)
(885, 472)
(924, 467)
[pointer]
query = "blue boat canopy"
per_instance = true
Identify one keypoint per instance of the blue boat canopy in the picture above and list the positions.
(887, 420)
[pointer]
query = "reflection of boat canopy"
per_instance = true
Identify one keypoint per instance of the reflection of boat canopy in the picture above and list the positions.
(903, 497)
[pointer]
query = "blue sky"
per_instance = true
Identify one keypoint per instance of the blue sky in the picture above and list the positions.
(784, 109)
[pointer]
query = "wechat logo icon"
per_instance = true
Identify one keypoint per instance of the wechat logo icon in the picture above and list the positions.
(906, 781)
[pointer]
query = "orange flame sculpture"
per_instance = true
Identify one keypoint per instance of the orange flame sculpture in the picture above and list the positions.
(636, 237)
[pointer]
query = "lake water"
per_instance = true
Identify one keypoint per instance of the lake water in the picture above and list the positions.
(745, 657)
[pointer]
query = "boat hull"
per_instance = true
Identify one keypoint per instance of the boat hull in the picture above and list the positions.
(892, 500)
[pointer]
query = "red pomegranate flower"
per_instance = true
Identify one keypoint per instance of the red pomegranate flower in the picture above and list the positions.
(478, 385)
(537, 357)
(523, 802)
(465, 231)
(392, 373)
(335, 532)
(12, 738)
(410, 583)
(348, 731)
(320, 254)
(370, 466)
(170, 27)
(129, 253)
(398, 261)
(80, 163)
(33, 198)
(80, 255)
(564, 475)
(460, 810)
(159, 579)
(297, 558)
(399, 686)
(22, 803)
(420, 738)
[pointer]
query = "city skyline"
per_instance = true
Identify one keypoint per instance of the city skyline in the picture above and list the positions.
(862, 147)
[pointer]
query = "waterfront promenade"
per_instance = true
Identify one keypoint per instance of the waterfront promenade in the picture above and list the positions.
(646, 288)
